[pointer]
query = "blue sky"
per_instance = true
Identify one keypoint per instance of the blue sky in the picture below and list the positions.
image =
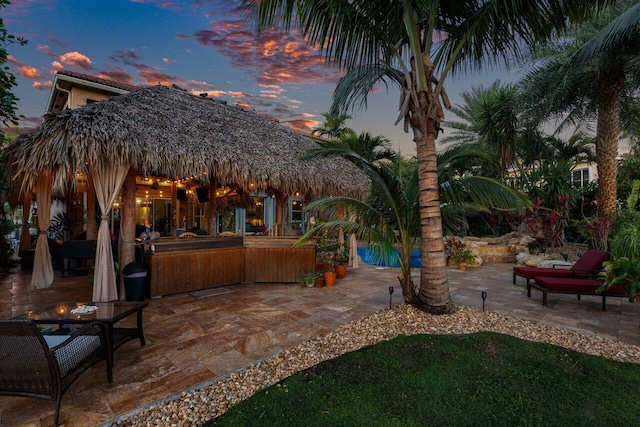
(200, 45)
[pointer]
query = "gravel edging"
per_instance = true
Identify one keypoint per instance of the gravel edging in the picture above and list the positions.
(194, 407)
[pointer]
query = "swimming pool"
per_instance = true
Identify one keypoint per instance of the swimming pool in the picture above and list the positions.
(366, 256)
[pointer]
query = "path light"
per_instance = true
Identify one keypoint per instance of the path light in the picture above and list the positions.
(484, 297)
(390, 294)
(565, 256)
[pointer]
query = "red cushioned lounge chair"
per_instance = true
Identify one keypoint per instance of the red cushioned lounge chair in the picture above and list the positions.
(588, 266)
(564, 285)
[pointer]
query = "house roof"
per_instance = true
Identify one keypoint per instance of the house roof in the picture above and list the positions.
(64, 80)
(168, 132)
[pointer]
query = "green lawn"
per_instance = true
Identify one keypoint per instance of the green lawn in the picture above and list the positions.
(484, 379)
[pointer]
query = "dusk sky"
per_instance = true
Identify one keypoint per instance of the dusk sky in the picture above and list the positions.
(199, 45)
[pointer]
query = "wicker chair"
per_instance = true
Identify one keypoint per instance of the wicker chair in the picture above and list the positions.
(45, 366)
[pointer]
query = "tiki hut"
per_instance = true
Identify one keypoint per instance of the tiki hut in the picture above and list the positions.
(161, 131)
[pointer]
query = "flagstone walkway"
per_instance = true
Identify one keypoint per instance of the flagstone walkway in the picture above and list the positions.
(193, 338)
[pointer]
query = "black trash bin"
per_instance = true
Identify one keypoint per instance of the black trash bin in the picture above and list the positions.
(135, 281)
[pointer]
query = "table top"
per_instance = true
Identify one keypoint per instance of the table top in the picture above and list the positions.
(61, 312)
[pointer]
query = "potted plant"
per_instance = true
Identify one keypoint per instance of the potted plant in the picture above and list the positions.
(329, 273)
(319, 280)
(462, 257)
(307, 280)
(341, 259)
(319, 276)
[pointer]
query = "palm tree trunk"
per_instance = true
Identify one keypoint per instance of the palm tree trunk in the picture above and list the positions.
(434, 289)
(405, 279)
(610, 88)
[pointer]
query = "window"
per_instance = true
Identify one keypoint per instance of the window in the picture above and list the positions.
(580, 177)
(296, 210)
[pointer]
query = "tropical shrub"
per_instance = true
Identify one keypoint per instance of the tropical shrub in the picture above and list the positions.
(624, 272)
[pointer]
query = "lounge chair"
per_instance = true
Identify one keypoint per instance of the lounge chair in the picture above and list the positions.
(564, 285)
(588, 266)
(45, 366)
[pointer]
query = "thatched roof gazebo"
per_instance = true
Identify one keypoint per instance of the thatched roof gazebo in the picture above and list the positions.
(168, 132)
(160, 131)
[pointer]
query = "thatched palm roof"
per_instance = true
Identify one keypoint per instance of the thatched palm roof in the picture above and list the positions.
(168, 132)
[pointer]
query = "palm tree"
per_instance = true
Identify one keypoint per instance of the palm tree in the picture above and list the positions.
(390, 218)
(372, 148)
(333, 126)
(492, 122)
(465, 190)
(416, 44)
(592, 74)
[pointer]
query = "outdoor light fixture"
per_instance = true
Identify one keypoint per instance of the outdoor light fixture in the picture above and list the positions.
(484, 297)
(566, 257)
(390, 295)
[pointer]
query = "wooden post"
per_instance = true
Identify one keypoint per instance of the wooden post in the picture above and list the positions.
(173, 215)
(211, 213)
(92, 225)
(279, 224)
(25, 236)
(127, 248)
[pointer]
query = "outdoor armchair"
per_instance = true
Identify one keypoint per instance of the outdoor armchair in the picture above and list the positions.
(45, 366)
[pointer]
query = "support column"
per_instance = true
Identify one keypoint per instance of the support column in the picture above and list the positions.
(173, 220)
(279, 224)
(127, 248)
(92, 225)
(25, 236)
(211, 213)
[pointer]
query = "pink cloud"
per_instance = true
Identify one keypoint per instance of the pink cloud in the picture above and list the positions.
(46, 50)
(76, 60)
(272, 58)
(117, 75)
(163, 4)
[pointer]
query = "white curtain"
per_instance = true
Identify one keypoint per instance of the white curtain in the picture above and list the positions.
(42, 275)
(353, 251)
(107, 180)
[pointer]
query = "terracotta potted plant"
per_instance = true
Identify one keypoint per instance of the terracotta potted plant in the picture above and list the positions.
(329, 272)
(341, 259)
(462, 258)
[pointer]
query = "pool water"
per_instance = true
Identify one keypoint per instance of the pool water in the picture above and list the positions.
(366, 256)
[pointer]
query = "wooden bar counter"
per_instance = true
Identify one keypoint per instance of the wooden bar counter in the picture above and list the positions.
(193, 263)
(188, 264)
(273, 259)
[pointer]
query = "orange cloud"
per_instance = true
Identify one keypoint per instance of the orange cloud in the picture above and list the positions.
(24, 70)
(43, 86)
(76, 60)
(302, 125)
(57, 66)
